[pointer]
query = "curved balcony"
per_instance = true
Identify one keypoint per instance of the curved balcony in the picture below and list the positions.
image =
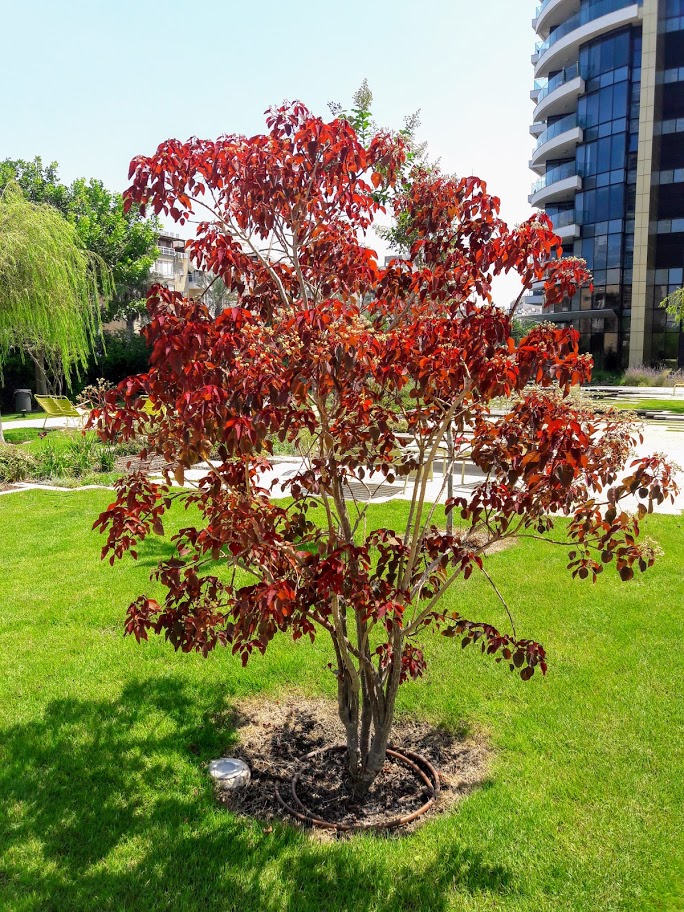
(560, 94)
(561, 48)
(565, 225)
(536, 299)
(557, 185)
(558, 141)
(551, 13)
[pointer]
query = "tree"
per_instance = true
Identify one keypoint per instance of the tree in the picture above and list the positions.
(215, 295)
(125, 241)
(321, 344)
(674, 304)
(50, 288)
(399, 234)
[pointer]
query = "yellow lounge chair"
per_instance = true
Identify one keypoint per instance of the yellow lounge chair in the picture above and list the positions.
(59, 407)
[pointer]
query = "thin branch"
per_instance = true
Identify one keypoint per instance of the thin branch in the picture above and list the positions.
(501, 599)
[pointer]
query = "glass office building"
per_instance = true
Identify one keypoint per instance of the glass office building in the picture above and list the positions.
(609, 157)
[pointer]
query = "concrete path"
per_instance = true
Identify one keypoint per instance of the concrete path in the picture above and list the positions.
(52, 423)
(641, 392)
(658, 438)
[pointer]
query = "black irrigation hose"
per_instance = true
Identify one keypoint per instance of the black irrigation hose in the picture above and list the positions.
(408, 758)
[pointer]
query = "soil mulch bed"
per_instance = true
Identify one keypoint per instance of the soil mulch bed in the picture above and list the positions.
(134, 464)
(274, 736)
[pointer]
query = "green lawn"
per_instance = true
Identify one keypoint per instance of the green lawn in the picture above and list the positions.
(25, 435)
(105, 805)
(671, 405)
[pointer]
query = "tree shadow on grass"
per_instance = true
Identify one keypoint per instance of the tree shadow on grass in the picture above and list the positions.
(105, 806)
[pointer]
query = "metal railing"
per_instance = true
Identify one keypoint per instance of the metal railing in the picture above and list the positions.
(566, 75)
(586, 14)
(563, 219)
(556, 128)
(559, 173)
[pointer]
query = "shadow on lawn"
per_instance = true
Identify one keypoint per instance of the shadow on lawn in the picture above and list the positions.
(111, 792)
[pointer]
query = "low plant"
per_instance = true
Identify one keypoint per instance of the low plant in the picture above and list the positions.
(130, 447)
(652, 376)
(82, 454)
(16, 464)
(51, 460)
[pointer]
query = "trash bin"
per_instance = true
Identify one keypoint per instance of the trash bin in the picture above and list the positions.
(22, 401)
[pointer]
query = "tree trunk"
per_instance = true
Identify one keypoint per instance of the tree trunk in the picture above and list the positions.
(41, 377)
(450, 481)
(367, 714)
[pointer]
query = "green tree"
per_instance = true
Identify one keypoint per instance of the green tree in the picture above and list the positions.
(400, 234)
(51, 288)
(125, 241)
(39, 183)
(674, 304)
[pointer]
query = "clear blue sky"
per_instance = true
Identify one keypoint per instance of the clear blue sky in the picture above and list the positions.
(91, 83)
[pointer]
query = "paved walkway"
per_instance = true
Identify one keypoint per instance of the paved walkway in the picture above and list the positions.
(658, 438)
(641, 392)
(375, 487)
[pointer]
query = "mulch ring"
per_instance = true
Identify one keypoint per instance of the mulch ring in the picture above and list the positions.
(273, 737)
(153, 465)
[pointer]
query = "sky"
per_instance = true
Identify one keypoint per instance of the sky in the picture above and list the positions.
(91, 83)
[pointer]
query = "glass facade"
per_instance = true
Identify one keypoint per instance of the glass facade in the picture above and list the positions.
(601, 210)
(606, 161)
(666, 339)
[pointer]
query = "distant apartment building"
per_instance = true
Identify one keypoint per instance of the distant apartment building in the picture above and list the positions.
(174, 269)
(609, 158)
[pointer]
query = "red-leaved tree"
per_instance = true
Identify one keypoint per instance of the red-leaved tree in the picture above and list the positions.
(367, 369)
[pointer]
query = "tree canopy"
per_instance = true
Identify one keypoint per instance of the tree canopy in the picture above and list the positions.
(674, 304)
(366, 369)
(125, 241)
(50, 286)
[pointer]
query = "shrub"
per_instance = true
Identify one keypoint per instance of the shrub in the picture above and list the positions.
(652, 376)
(130, 447)
(16, 464)
(94, 393)
(106, 457)
(124, 354)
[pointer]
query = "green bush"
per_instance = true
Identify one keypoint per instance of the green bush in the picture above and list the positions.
(106, 457)
(16, 464)
(130, 447)
(122, 356)
(73, 456)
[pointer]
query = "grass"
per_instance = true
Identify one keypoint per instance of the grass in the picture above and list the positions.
(23, 435)
(105, 803)
(676, 406)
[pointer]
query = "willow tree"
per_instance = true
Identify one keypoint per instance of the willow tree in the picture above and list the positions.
(51, 288)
